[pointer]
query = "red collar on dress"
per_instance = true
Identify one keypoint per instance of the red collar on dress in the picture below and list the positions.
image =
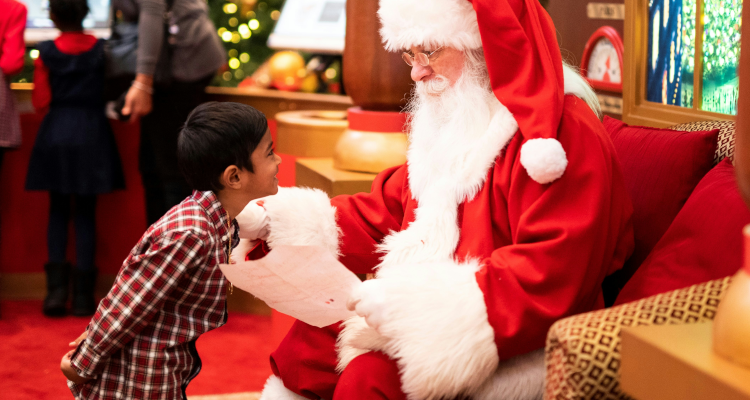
(75, 43)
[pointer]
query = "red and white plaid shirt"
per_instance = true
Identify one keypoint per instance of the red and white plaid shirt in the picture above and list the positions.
(170, 290)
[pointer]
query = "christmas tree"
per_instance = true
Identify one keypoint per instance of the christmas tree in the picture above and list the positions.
(243, 26)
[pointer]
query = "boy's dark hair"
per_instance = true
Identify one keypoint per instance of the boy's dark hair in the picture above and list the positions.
(69, 13)
(215, 136)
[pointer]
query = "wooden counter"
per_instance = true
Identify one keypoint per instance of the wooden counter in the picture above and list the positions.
(270, 102)
(267, 101)
(676, 362)
(319, 173)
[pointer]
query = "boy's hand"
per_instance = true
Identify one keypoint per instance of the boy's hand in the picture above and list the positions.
(79, 339)
(69, 372)
(253, 222)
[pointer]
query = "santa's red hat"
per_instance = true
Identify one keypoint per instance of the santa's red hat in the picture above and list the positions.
(522, 54)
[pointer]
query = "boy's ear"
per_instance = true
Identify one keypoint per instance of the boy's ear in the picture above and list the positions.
(231, 177)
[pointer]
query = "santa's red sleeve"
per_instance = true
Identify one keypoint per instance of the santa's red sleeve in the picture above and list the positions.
(568, 236)
(348, 226)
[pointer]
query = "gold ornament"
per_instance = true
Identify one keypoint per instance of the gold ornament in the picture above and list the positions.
(246, 6)
(284, 68)
(309, 84)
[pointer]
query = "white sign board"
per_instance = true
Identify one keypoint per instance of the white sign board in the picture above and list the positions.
(318, 26)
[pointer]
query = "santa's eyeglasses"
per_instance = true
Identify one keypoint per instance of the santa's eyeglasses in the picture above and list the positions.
(422, 59)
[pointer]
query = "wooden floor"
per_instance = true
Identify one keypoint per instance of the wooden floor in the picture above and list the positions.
(232, 396)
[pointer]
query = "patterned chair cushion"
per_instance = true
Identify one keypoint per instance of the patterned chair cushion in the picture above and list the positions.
(725, 145)
(582, 354)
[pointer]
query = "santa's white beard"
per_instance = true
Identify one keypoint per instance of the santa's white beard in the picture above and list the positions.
(445, 120)
(440, 112)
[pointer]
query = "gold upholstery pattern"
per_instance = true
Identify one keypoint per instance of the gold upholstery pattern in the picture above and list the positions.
(582, 354)
(725, 141)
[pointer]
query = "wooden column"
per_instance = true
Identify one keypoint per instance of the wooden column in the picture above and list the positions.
(742, 143)
(375, 79)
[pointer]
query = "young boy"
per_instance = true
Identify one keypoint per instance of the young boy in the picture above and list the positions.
(140, 343)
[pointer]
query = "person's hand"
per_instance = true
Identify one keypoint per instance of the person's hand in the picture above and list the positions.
(368, 300)
(65, 366)
(253, 222)
(138, 101)
(69, 371)
(79, 339)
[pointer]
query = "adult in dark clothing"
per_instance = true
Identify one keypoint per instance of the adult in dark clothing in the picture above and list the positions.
(163, 106)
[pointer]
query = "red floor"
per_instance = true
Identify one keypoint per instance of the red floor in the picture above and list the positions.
(235, 356)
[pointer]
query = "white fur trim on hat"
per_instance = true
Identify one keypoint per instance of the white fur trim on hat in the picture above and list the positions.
(429, 23)
(275, 390)
(544, 159)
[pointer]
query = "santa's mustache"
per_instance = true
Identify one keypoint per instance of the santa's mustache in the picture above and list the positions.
(434, 86)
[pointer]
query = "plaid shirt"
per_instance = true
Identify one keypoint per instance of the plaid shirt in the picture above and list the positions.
(170, 290)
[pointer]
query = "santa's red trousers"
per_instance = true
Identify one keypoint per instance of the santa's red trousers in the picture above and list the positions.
(306, 363)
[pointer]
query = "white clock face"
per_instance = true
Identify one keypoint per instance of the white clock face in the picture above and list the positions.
(604, 66)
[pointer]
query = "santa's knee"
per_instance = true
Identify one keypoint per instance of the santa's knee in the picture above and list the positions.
(306, 360)
(370, 376)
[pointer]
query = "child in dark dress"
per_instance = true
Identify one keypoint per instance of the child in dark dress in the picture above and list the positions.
(75, 157)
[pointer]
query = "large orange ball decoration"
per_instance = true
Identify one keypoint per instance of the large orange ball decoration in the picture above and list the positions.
(287, 69)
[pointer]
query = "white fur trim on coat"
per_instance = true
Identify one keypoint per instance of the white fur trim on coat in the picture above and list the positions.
(544, 159)
(275, 390)
(441, 348)
(302, 217)
(519, 378)
(431, 24)
(436, 328)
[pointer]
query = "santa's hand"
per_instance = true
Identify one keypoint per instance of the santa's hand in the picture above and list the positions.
(253, 222)
(368, 300)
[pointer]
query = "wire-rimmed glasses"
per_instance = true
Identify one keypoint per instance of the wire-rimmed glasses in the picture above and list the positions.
(422, 59)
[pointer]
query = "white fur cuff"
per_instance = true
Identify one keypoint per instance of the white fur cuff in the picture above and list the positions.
(437, 329)
(275, 390)
(544, 159)
(302, 217)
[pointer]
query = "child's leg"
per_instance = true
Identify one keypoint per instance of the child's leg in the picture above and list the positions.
(85, 221)
(85, 272)
(57, 269)
(57, 229)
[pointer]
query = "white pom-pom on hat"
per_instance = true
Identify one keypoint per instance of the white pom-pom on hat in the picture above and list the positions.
(544, 159)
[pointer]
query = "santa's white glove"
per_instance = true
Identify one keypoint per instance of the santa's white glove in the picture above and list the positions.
(253, 222)
(368, 300)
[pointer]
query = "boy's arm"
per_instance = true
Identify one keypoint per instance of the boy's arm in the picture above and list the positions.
(142, 286)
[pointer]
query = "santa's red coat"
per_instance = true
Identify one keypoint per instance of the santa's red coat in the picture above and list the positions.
(543, 249)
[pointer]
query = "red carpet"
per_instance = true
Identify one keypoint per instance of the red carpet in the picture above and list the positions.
(235, 356)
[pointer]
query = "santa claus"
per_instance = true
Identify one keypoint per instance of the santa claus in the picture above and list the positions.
(507, 216)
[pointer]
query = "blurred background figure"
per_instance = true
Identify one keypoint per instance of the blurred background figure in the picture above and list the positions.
(75, 157)
(12, 47)
(177, 52)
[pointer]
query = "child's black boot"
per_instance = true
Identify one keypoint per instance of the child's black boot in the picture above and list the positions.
(84, 282)
(58, 285)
